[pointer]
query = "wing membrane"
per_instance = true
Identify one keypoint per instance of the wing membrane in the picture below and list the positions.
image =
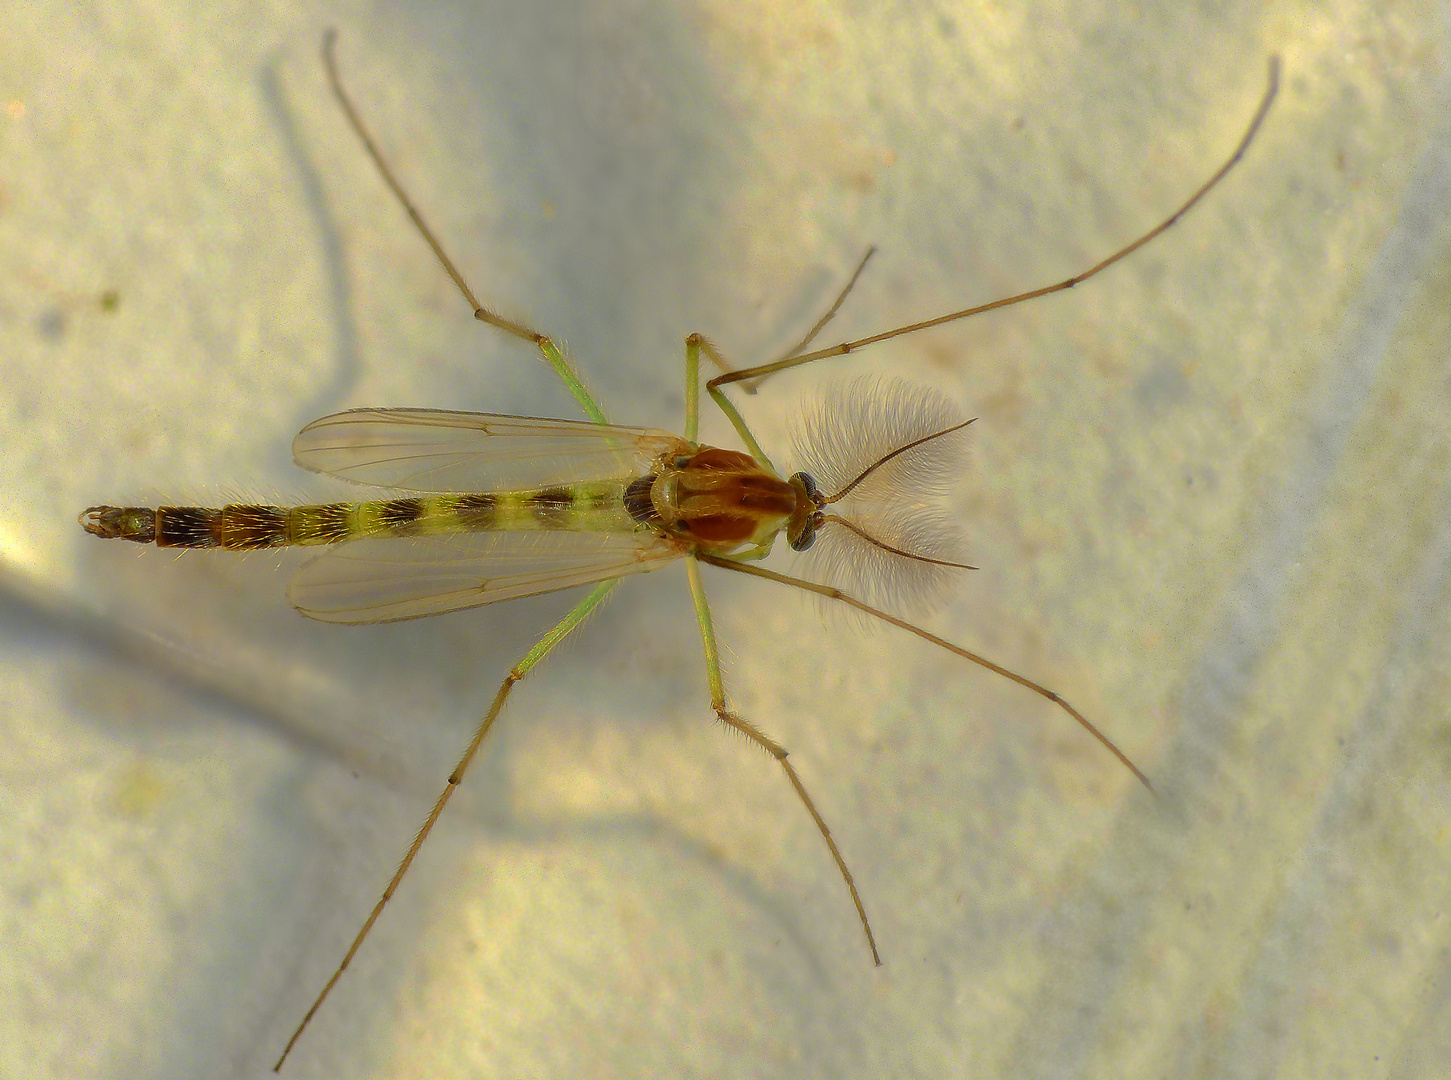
(385, 580)
(439, 450)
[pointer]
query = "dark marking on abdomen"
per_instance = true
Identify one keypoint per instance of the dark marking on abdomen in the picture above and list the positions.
(638, 503)
(551, 506)
(186, 526)
(400, 517)
(245, 527)
(477, 512)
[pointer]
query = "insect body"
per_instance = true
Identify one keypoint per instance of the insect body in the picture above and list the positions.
(636, 499)
(499, 507)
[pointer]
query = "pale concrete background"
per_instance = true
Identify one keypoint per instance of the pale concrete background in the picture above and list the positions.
(1208, 493)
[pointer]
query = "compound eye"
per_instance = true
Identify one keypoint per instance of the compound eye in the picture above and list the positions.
(807, 536)
(808, 485)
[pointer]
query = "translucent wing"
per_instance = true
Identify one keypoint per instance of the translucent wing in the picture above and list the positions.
(384, 580)
(439, 450)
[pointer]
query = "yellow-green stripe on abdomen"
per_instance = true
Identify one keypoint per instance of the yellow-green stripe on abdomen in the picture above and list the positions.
(593, 507)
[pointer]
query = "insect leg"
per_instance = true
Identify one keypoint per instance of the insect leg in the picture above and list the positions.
(749, 385)
(542, 649)
(695, 345)
(765, 742)
(833, 593)
(550, 351)
(800, 347)
(795, 359)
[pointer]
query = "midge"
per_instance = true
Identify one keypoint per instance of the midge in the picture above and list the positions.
(510, 506)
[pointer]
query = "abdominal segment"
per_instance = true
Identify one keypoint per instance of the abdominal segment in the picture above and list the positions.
(595, 507)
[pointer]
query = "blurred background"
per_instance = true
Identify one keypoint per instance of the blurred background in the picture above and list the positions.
(1207, 492)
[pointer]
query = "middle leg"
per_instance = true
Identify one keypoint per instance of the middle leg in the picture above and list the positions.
(766, 743)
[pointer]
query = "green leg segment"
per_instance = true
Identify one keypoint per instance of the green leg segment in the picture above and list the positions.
(695, 344)
(552, 355)
(523, 667)
(570, 378)
(692, 387)
(764, 741)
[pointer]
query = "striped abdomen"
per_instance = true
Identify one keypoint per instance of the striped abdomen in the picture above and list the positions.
(597, 506)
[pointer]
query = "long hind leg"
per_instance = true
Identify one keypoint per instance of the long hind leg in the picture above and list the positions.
(552, 355)
(544, 647)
